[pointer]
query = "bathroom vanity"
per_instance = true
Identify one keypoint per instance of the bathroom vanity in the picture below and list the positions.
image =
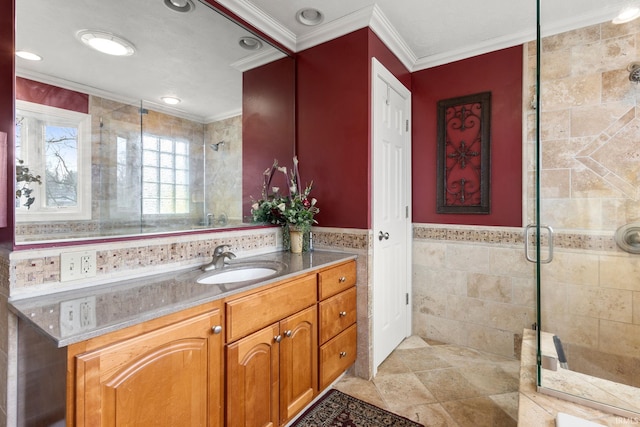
(166, 348)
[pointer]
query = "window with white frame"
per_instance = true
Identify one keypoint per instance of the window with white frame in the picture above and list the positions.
(165, 175)
(56, 145)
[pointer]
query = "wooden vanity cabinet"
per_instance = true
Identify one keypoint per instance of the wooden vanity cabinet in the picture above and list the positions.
(337, 321)
(272, 374)
(165, 372)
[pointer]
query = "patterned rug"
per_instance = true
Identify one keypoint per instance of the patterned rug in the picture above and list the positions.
(336, 409)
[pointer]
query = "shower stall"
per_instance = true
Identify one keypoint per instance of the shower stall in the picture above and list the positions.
(584, 203)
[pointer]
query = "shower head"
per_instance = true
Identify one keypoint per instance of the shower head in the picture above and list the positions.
(634, 72)
(217, 146)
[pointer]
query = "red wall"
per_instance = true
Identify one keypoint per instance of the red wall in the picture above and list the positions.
(7, 124)
(53, 96)
(268, 125)
(500, 73)
(334, 125)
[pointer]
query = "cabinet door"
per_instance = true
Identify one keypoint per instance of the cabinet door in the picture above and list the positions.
(159, 378)
(298, 362)
(252, 379)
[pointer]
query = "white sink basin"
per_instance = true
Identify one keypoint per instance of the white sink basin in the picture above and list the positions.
(241, 273)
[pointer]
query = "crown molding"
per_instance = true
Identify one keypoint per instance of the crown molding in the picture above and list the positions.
(334, 29)
(265, 23)
(487, 46)
(256, 60)
(383, 28)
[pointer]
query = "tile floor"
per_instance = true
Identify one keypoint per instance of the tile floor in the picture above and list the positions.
(443, 385)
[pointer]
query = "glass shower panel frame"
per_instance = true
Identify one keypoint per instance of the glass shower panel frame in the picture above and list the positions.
(586, 185)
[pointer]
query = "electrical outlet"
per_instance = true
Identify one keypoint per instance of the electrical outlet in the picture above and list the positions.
(77, 265)
(77, 315)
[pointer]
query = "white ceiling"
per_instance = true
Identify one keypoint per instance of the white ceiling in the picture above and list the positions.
(425, 33)
(196, 57)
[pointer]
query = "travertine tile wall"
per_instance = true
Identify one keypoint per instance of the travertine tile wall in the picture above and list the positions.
(472, 286)
(590, 133)
(223, 170)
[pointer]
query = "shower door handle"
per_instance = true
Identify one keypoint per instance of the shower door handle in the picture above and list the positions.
(526, 243)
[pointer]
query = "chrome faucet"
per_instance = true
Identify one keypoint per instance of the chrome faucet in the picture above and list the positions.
(221, 255)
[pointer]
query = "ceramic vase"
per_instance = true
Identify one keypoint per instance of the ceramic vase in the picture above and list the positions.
(296, 238)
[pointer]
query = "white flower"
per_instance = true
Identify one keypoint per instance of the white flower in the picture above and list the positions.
(255, 206)
(283, 169)
(282, 207)
(275, 189)
(313, 201)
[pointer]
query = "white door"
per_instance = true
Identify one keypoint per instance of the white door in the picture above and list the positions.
(391, 110)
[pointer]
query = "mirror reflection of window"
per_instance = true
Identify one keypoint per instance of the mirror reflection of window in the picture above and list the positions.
(165, 175)
(51, 143)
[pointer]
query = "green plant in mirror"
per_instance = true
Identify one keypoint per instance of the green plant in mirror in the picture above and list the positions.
(25, 177)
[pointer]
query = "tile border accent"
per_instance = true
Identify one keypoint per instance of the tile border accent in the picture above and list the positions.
(512, 236)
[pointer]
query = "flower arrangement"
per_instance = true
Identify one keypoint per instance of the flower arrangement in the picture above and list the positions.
(296, 209)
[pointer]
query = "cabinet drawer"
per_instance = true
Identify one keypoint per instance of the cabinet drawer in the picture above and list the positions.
(336, 279)
(337, 313)
(337, 355)
(252, 312)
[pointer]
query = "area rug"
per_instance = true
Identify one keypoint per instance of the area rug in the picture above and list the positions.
(337, 409)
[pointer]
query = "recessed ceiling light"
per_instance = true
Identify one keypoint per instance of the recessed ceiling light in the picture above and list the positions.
(28, 55)
(250, 43)
(180, 5)
(171, 100)
(627, 15)
(309, 16)
(106, 42)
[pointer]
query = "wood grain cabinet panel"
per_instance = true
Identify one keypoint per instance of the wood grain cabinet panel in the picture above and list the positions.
(251, 312)
(298, 362)
(166, 377)
(253, 381)
(337, 355)
(272, 373)
(337, 313)
(336, 279)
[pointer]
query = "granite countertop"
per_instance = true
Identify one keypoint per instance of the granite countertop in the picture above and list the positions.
(110, 307)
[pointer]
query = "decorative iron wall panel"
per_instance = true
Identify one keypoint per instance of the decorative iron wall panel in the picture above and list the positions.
(464, 160)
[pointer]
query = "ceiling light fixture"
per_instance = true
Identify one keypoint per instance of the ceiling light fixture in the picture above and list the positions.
(250, 43)
(30, 56)
(171, 100)
(180, 5)
(106, 42)
(309, 16)
(627, 15)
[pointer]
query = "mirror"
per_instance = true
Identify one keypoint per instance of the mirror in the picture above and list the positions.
(98, 153)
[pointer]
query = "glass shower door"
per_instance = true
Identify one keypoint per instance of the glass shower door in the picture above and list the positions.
(585, 184)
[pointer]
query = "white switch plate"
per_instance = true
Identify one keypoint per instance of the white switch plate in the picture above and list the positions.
(77, 265)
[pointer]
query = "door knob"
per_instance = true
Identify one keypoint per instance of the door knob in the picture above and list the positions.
(216, 329)
(277, 338)
(288, 333)
(384, 236)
